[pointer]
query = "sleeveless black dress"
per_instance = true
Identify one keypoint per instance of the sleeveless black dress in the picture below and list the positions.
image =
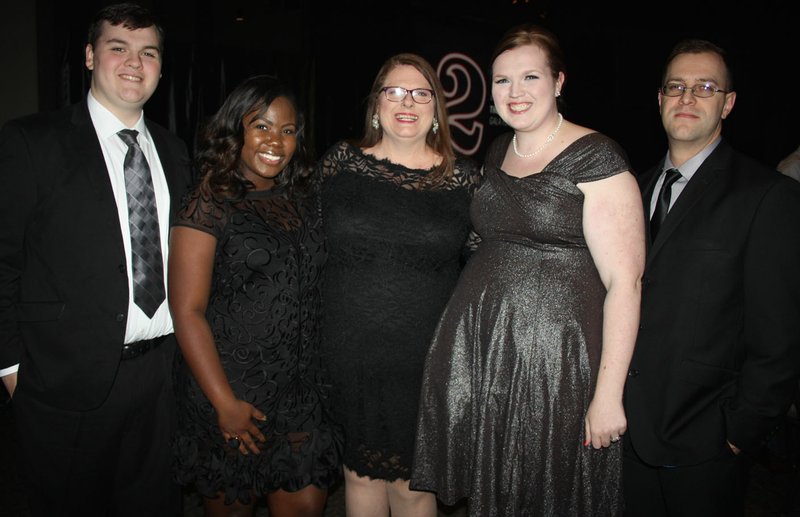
(396, 247)
(264, 312)
(514, 361)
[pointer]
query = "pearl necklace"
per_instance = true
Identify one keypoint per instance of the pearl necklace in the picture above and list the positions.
(549, 139)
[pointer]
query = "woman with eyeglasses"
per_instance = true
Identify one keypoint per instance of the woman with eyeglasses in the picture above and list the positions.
(521, 404)
(395, 211)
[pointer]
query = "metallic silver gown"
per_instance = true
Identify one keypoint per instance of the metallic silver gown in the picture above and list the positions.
(513, 362)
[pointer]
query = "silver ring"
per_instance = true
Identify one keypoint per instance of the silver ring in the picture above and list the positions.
(615, 439)
(234, 442)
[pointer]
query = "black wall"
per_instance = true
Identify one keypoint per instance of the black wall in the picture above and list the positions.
(332, 52)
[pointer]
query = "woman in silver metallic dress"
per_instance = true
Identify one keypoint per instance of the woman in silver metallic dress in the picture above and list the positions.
(521, 404)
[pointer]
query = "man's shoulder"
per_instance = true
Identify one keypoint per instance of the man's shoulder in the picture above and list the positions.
(173, 153)
(162, 134)
(155, 127)
(751, 182)
(48, 121)
(749, 169)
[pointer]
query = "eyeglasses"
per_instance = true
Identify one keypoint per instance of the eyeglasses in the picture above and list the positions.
(702, 90)
(397, 94)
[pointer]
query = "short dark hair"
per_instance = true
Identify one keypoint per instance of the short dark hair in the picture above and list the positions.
(699, 46)
(131, 16)
(219, 147)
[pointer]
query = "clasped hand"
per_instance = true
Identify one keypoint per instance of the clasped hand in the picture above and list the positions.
(237, 425)
(605, 424)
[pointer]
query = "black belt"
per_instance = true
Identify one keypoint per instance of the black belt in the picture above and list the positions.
(138, 348)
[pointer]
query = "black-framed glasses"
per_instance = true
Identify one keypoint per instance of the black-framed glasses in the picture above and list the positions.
(702, 90)
(397, 94)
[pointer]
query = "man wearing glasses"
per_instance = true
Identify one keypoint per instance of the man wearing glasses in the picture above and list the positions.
(717, 358)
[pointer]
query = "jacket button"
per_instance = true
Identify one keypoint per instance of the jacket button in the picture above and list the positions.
(120, 317)
(633, 372)
(122, 268)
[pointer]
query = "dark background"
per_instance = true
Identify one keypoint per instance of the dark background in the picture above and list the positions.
(332, 51)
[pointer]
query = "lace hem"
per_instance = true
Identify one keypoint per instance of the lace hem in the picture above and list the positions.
(378, 464)
(302, 459)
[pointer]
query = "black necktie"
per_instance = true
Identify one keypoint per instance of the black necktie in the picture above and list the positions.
(662, 204)
(148, 266)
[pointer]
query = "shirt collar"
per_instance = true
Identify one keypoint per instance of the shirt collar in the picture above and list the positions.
(106, 124)
(692, 164)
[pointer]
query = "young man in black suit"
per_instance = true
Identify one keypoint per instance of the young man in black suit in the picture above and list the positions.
(86, 340)
(717, 357)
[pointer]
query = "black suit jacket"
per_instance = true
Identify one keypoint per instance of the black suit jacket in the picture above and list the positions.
(63, 279)
(718, 352)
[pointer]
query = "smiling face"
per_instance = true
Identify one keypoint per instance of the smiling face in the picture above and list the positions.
(270, 139)
(523, 87)
(407, 119)
(126, 67)
(689, 120)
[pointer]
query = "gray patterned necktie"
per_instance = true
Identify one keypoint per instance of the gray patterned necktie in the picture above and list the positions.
(148, 266)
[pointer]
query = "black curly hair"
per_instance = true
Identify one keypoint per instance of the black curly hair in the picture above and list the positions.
(220, 144)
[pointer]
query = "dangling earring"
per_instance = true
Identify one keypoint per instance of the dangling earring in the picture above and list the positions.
(376, 124)
(435, 127)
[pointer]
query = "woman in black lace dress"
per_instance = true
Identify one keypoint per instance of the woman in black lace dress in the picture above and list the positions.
(247, 252)
(396, 218)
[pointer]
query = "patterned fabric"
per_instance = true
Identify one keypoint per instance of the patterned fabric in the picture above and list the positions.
(396, 247)
(148, 265)
(513, 363)
(264, 311)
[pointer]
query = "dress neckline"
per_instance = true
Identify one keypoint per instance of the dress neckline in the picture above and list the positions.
(547, 166)
(261, 194)
(385, 161)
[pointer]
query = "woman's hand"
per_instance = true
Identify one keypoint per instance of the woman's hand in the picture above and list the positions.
(191, 264)
(236, 422)
(605, 423)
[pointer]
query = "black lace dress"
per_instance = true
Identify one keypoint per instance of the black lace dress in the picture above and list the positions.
(396, 246)
(264, 311)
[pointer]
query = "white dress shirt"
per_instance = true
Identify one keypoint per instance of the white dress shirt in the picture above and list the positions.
(139, 326)
(106, 125)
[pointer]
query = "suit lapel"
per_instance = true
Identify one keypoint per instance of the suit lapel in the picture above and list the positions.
(708, 174)
(647, 183)
(83, 160)
(173, 169)
(83, 155)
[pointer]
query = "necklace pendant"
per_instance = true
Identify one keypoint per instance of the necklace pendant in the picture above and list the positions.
(547, 140)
